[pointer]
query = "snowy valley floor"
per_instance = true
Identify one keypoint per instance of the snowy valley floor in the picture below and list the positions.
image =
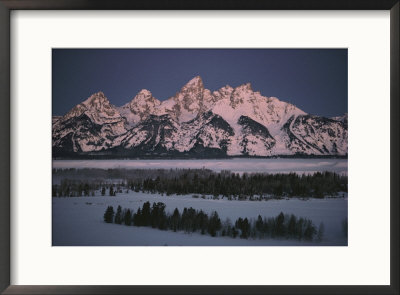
(78, 221)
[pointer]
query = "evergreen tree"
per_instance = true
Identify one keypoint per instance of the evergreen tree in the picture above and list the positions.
(198, 221)
(109, 214)
(245, 228)
(158, 217)
(279, 226)
(259, 224)
(175, 220)
(300, 228)
(137, 218)
(309, 231)
(292, 225)
(146, 214)
(118, 216)
(202, 222)
(235, 232)
(86, 189)
(214, 224)
(127, 217)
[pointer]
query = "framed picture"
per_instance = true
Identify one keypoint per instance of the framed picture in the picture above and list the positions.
(199, 148)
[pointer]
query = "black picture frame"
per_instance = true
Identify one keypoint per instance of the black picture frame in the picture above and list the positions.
(6, 6)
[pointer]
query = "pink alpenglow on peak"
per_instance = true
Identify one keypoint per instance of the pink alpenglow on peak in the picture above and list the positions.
(95, 98)
(97, 107)
(140, 107)
(196, 82)
(231, 121)
(144, 97)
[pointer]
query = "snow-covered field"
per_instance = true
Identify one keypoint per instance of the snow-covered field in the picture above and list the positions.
(79, 221)
(238, 165)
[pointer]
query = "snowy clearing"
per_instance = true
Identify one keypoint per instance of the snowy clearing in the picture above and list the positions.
(78, 221)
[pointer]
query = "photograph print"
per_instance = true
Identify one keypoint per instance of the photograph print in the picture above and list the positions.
(199, 147)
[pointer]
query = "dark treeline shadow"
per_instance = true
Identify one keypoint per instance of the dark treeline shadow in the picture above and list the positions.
(191, 220)
(254, 186)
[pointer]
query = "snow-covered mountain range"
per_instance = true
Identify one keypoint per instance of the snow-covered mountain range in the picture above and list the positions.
(196, 123)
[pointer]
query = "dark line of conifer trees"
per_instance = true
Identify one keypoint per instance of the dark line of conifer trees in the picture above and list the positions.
(225, 184)
(191, 220)
(78, 188)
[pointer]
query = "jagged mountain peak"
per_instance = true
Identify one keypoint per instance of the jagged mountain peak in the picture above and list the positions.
(224, 92)
(194, 85)
(144, 96)
(96, 99)
(229, 121)
(140, 107)
(144, 92)
(195, 81)
(188, 102)
(244, 87)
(96, 104)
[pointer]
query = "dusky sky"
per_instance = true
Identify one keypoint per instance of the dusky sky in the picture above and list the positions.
(315, 80)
